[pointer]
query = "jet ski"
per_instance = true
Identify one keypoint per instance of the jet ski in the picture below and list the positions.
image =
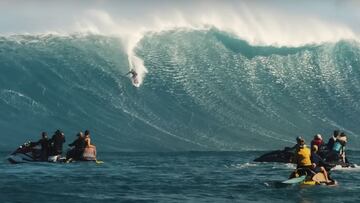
(30, 152)
(305, 177)
(286, 156)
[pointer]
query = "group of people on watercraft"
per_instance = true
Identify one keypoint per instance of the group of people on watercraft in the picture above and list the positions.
(317, 158)
(82, 149)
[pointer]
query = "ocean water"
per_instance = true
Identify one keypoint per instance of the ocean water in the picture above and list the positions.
(221, 83)
(204, 90)
(170, 177)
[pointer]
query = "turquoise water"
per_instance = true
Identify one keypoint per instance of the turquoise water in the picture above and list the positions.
(206, 93)
(205, 90)
(169, 177)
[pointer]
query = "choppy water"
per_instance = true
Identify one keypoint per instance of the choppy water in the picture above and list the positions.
(169, 177)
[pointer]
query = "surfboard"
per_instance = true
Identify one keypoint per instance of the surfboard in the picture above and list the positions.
(135, 82)
(99, 162)
(295, 180)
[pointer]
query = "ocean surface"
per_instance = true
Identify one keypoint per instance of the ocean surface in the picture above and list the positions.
(169, 177)
(221, 82)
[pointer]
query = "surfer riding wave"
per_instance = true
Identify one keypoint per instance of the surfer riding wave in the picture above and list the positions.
(134, 77)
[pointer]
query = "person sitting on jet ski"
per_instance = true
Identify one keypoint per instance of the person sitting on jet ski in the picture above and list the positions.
(337, 153)
(322, 148)
(89, 151)
(45, 146)
(57, 141)
(332, 140)
(302, 154)
(318, 141)
(78, 147)
(302, 158)
(318, 162)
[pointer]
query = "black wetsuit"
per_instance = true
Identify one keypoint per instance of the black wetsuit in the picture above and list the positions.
(57, 143)
(45, 148)
(77, 151)
(331, 143)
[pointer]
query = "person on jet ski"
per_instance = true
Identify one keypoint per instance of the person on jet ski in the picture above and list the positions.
(89, 151)
(302, 154)
(337, 153)
(78, 147)
(332, 140)
(45, 146)
(322, 148)
(57, 141)
(302, 158)
(318, 141)
(318, 163)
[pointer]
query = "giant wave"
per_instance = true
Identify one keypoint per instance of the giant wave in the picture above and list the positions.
(205, 90)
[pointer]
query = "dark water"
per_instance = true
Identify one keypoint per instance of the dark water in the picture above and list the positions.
(169, 177)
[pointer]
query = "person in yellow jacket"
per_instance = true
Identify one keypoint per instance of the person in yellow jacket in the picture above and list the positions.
(302, 159)
(302, 155)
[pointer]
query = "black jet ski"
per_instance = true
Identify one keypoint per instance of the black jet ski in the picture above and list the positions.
(280, 156)
(286, 156)
(30, 152)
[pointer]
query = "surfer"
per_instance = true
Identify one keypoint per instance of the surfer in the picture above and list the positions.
(134, 75)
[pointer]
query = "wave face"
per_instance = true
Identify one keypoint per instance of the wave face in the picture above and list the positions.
(205, 90)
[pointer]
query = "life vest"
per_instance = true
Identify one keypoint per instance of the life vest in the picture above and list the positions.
(317, 142)
(338, 148)
(303, 155)
(89, 153)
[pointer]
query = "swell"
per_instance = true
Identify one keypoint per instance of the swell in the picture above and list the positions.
(205, 90)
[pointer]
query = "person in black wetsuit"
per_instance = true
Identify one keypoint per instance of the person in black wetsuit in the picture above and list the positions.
(332, 140)
(78, 148)
(45, 146)
(133, 73)
(57, 141)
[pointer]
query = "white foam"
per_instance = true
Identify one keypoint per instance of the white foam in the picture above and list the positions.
(356, 168)
(243, 165)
